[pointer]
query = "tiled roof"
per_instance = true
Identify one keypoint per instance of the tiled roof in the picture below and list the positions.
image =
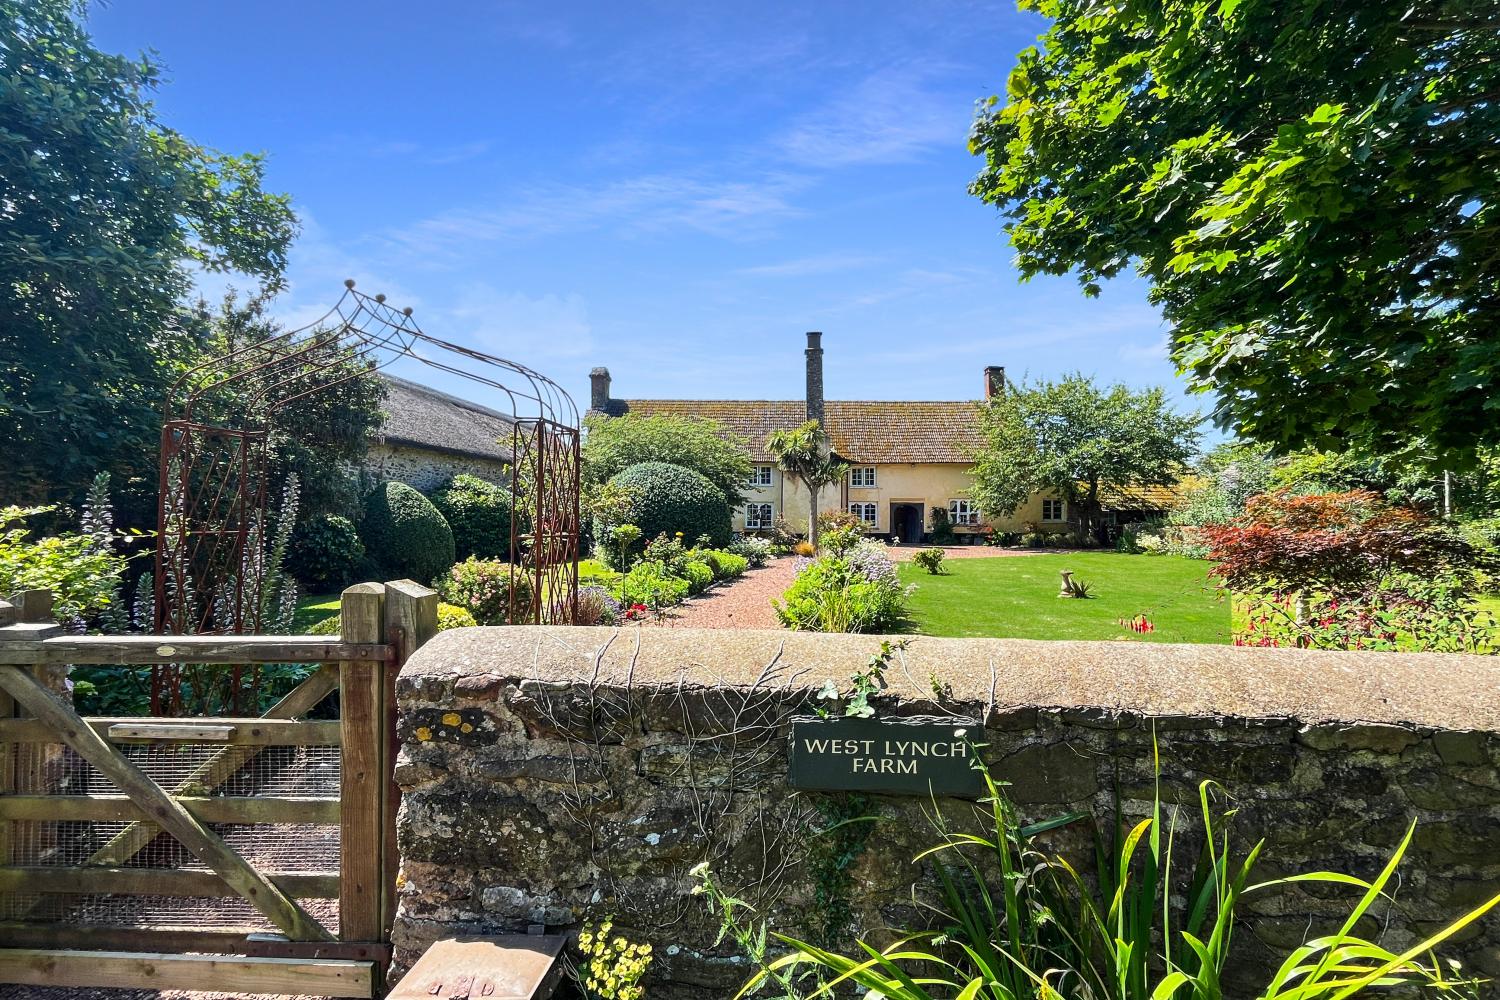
(869, 431)
(421, 417)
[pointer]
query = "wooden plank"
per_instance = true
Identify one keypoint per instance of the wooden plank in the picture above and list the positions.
(209, 809)
(166, 812)
(104, 937)
(156, 971)
(219, 941)
(411, 616)
(221, 766)
(206, 649)
(247, 732)
(362, 839)
(174, 882)
(169, 732)
(503, 967)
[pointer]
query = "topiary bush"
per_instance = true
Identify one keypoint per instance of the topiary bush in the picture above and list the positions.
(479, 512)
(324, 553)
(725, 564)
(651, 584)
(484, 587)
(667, 499)
(449, 616)
(406, 535)
(698, 575)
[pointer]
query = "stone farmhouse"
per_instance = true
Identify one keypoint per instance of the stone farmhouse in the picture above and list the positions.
(906, 458)
(428, 437)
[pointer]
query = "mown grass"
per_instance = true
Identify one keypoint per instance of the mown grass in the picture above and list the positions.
(1016, 598)
(312, 609)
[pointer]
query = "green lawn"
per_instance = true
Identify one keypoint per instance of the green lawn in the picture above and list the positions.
(1016, 598)
(312, 609)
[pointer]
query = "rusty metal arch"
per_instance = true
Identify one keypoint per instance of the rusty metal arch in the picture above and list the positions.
(211, 512)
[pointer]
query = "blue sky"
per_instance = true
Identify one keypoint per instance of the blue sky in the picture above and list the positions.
(676, 191)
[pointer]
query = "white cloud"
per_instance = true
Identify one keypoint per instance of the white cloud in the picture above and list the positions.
(1158, 350)
(892, 116)
(520, 326)
(650, 203)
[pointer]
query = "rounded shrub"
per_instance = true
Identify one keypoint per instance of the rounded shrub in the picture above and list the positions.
(449, 616)
(668, 499)
(479, 512)
(405, 534)
(698, 575)
(484, 587)
(324, 553)
(650, 583)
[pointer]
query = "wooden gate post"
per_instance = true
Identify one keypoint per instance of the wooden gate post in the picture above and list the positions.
(411, 616)
(362, 791)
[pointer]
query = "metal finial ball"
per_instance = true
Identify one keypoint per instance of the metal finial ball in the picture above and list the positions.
(380, 297)
(406, 311)
(348, 282)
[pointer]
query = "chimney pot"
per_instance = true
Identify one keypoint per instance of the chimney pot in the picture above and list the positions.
(599, 389)
(815, 376)
(994, 381)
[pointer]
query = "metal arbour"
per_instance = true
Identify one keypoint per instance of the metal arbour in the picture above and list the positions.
(212, 519)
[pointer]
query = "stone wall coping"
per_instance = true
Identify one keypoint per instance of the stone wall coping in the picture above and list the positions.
(1430, 690)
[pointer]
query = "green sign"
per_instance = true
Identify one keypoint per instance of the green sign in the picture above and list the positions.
(916, 756)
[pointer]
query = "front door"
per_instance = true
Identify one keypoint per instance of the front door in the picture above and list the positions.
(906, 522)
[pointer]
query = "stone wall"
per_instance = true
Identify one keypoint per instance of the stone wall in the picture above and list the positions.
(426, 469)
(551, 775)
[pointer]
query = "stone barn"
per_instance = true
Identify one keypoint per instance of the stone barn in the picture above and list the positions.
(429, 436)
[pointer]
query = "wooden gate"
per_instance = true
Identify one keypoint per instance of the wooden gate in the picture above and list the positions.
(252, 855)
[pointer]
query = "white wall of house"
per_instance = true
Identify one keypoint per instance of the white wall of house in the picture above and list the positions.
(924, 484)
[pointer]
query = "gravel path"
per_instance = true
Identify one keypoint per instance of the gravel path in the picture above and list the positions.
(746, 603)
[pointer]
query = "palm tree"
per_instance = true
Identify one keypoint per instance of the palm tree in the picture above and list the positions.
(804, 452)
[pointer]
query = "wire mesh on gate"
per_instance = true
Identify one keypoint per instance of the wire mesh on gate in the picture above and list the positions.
(211, 515)
(181, 768)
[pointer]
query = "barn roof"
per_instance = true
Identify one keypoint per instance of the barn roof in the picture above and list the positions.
(420, 416)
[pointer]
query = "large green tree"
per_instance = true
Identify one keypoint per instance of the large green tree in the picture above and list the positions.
(1077, 440)
(614, 444)
(1310, 187)
(104, 211)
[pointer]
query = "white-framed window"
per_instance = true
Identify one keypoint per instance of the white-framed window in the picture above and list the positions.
(963, 512)
(759, 515)
(761, 476)
(1054, 510)
(862, 477)
(864, 511)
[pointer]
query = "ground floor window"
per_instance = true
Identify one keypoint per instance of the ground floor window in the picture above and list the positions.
(963, 512)
(759, 515)
(864, 511)
(1054, 510)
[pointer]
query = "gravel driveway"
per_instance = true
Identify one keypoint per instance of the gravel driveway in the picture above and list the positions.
(745, 603)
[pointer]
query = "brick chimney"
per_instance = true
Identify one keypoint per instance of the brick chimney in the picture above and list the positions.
(815, 376)
(994, 381)
(599, 389)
